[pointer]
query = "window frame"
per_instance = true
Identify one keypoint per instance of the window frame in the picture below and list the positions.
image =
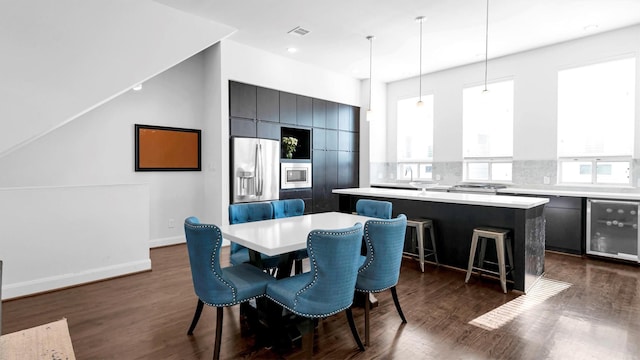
(490, 161)
(594, 160)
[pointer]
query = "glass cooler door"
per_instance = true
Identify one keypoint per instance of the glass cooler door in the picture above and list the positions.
(612, 228)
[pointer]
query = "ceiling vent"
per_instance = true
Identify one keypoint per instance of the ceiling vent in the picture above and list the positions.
(298, 31)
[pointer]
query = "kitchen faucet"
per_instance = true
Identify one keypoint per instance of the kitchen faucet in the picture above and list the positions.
(410, 171)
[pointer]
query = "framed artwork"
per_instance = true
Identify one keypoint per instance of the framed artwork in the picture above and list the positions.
(160, 148)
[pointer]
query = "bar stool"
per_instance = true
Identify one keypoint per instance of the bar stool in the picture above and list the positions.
(420, 226)
(500, 236)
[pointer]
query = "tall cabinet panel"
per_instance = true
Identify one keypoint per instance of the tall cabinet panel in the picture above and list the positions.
(330, 137)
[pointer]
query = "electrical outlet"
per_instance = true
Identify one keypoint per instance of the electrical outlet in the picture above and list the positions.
(437, 177)
(546, 180)
(172, 223)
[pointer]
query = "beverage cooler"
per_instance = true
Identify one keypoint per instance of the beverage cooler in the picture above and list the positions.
(612, 229)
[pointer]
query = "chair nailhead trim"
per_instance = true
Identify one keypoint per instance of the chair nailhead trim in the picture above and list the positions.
(234, 290)
(315, 269)
(305, 314)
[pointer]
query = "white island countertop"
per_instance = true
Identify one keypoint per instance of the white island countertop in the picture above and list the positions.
(506, 201)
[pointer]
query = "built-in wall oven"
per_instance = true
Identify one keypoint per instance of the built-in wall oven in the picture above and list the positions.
(295, 175)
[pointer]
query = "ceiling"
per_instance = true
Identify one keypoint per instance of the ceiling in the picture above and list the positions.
(453, 34)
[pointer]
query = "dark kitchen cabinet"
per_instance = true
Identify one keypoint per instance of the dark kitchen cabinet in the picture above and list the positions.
(268, 130)
(288, 108)
(331, 121)
(345, 118)
(242, 127)
(304, 194)
(331, 139)
(268, 104)
(564, 223)
(304, 111)
(242, 100)
(319, 138)
(319, 113)
(327, 133)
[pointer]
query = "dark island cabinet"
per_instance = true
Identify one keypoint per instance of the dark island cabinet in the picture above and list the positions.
(565, 224)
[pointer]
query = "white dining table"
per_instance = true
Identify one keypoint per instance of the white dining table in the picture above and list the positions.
(285, 235)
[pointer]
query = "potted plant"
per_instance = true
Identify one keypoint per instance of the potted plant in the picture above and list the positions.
(290, 143)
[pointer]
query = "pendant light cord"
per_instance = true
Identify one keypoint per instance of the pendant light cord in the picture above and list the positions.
(371, 37)
(486, 47)
(420, 75)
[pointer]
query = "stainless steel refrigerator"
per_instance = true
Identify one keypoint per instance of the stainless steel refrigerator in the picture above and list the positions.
(255, 172)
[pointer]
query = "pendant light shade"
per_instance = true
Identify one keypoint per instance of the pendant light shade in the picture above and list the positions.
(486, 49)
(420, 19)
(369, 111)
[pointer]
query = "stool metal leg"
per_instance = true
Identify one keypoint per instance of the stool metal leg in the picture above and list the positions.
(472, 255)
(433, 244)
(420, 234)
(500, 252)
(483, 248)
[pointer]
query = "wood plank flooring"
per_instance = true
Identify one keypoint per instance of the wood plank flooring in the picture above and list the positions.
(146, 315)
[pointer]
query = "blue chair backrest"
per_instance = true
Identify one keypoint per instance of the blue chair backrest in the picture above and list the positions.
(334, 256)
(384, 240)
(203, 243)
(287, 208)
(374, 208)
(248, 212)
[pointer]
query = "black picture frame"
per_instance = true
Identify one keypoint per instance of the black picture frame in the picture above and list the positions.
(162, 148)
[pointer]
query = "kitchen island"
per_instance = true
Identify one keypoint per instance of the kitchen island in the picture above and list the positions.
(455, 215)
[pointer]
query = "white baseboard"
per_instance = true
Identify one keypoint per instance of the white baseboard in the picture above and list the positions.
(153, 243)
(61, 281)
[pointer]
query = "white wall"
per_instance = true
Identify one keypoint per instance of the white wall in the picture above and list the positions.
(535, 75)
(62, 58)
(54, 237)
(97, 151)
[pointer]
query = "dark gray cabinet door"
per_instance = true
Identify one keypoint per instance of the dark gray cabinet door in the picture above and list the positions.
(332, 115)
(288, 108)
(331, 139)
(268, 130)
(345, 118)
(319, 113)
(319, 139)
(242, 127)
(242, 100)
(304, 111)
(268, 104)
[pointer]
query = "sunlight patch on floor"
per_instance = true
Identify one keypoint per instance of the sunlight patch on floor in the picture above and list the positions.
(541, 291)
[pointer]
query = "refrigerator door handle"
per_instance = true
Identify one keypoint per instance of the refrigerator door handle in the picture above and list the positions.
(259, 170)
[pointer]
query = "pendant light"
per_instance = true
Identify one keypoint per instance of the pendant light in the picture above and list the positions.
(420, 19)
(486, 49)
(369, 111)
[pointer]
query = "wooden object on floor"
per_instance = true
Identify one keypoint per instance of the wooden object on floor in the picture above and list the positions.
(50, 341)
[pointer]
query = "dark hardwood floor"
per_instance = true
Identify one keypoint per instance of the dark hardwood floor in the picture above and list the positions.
(146, 315)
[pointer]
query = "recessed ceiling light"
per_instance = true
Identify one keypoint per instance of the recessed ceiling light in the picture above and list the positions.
(292, 50)
(137, 87)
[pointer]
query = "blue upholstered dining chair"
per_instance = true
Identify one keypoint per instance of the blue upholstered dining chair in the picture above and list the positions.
(374, 208)
(380, 268)
(288, 208)
(328, 287)
(248, 212)
(216, 286)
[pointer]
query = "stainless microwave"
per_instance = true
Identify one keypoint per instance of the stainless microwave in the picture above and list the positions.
(295, 175)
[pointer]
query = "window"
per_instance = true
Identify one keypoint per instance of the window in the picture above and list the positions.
(596, 111)
(415, 139)
(487, 132)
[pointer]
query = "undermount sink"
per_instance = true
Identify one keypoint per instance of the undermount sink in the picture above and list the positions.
(423, 185)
